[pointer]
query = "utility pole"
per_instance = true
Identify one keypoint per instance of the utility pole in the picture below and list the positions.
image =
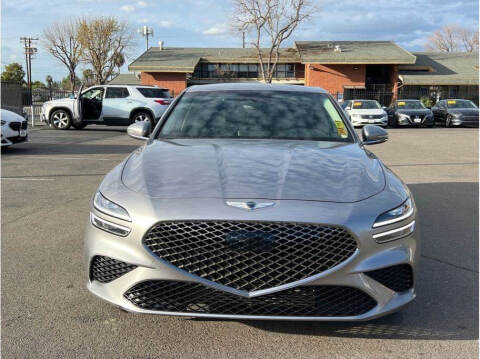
(243, 39)
(29, 52)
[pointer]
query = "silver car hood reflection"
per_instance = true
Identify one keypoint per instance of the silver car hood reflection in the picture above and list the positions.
(254, 169)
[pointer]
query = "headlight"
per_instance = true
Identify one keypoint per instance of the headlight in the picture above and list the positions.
(108, 207)
(403, 116)
(108, 226)
(3, 122)
(456, 114)
(395, 215)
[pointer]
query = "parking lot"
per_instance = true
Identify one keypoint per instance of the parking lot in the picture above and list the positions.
(47, 311)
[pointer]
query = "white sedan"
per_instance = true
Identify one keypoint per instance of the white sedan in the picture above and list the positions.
(14, 128)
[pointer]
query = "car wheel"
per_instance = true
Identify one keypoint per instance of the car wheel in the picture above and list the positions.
(79, 126)
(61, 120)
(448, 121)
(144, 116)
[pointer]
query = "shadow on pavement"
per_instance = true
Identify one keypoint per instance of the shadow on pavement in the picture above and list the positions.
(447, 281)
(67, 149)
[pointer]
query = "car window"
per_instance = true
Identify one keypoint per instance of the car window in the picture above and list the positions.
(152, 92)
(365, 105)
(261, 114)
(95, 93)
(116, 92)
(460, 104)
(410, 105)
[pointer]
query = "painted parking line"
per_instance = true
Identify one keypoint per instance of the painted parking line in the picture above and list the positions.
(25, 179)
(53, 157)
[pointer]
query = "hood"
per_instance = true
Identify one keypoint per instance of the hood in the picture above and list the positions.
(375, 111)
(465, 111)
(9, 116)
(254, 169)
(61, 101)
(415, 112)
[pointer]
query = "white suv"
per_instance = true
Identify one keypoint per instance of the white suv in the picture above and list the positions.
(107, 105)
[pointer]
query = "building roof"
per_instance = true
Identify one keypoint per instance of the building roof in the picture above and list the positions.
(184, 59)
(125, 79)
(353, 52)
(441, 68)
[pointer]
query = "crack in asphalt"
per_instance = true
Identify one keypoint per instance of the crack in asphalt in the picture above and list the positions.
(450, 264)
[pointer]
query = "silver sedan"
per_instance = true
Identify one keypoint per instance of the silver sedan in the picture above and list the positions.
(253, 202)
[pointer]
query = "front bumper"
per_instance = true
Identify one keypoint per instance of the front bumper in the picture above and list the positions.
(351, 273)
(426, 121)
(10, 137)
(466, 122)
(362, 122)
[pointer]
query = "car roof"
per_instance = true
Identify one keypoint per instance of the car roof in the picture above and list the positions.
(254, 87)
(408, 100)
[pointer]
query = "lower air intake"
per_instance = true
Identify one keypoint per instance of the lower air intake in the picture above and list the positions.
(105, 269)
(314, 301)
(398, 278)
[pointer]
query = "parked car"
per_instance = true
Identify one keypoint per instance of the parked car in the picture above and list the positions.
(364, 112)
(456, 112)
(14, 128)
(107, 105)
(409, 113)
(254, 201)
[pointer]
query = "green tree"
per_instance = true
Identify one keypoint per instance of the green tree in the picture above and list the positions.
(13, 73)
(38, 85)
(67, 83)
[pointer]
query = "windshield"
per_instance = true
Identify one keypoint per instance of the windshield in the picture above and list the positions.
(460, 104)
(258, 115)
(153, 92)
(365, 105)
(410, 105)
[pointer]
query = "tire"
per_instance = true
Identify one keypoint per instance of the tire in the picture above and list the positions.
(143, 116)
(79, 126)
(61, 120)
(448, 121)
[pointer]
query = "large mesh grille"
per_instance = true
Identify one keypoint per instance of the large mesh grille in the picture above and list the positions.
(172, 296)
(105, 269)
(250, 255)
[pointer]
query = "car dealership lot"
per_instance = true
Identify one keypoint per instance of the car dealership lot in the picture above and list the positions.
(47, 311)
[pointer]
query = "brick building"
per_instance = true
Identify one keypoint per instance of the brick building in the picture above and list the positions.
(368, 69)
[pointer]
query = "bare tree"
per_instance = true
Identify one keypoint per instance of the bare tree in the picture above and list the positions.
(105, 41)
(452, 38)
(61, 40)
(274, 19)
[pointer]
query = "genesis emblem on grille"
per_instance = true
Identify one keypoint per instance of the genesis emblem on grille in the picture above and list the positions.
(250, 205)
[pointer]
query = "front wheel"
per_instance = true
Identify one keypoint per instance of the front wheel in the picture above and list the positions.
(448, 121)
(61, 120)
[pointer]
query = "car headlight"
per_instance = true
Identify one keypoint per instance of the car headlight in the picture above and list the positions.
(108, 226)
(456, 114)
(356, 117)
(3, 122)
(110, 208)
(398, 214)
(403, 116)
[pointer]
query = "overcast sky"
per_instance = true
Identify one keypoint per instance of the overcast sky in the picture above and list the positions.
(204, 23)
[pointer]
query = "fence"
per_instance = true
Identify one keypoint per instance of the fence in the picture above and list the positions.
(12, 97)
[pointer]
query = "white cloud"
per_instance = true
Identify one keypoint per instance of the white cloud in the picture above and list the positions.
(127, 8)
(142, 4)
(216, 30)
(165, 24)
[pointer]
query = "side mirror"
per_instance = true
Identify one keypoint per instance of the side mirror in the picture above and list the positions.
(139, 130)
(371, 135)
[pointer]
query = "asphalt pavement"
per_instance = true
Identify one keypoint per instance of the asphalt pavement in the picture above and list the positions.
(48, 313)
